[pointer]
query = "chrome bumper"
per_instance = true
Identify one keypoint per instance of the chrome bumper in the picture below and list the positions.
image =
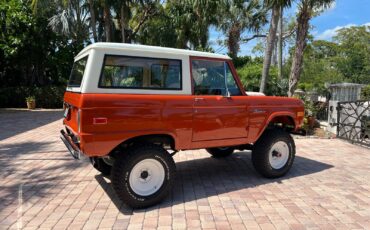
(72, 147)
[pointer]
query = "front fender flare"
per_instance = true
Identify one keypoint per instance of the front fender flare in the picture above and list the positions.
(274, 115)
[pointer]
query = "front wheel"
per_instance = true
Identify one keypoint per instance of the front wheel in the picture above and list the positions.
(220, 152)
(144, 176)
(273, 154)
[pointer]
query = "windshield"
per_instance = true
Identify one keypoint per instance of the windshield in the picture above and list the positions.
(77, 72)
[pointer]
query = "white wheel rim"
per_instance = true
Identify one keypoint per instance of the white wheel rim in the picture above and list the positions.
(279, 155)
(147, 177)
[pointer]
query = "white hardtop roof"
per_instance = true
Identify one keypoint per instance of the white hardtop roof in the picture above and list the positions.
(145, 48)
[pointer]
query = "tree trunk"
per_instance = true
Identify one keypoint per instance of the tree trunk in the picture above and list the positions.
(233, 41)
(107, 23)
(275, 53)
(303, 19)
(280, 45)
(124, 22)
(93, 20)
(269, 46)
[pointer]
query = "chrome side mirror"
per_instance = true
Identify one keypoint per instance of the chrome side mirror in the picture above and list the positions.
(227, 95)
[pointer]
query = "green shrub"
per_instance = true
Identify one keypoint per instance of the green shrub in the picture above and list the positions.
(365, 93)
(46, 96)
(250, 75)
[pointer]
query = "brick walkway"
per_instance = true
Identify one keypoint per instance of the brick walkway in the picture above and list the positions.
(43, 187)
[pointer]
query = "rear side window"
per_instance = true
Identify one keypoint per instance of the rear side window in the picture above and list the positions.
(140, 73)
(77, 72)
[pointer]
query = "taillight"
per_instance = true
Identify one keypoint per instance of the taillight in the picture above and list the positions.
(300, 116)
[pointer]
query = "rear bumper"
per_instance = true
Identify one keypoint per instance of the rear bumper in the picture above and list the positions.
(72, 147)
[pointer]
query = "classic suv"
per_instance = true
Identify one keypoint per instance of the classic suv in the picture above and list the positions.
(130, 108)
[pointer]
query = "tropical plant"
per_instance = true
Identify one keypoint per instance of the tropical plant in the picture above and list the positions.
(236, 17)
(307, 9)
(365, 93)
(30, 99)
(275, 6)
(70, 17)
(250, 73)
(354, 53)
(191, 19)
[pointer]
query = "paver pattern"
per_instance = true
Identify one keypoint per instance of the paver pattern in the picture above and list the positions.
(43, 187)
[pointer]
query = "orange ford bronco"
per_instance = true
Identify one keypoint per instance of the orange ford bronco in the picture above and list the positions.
(130, 108)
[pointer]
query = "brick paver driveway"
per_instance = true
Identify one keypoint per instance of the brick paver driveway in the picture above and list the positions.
(43, 187)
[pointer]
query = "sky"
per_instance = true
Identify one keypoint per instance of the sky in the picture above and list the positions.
(342, 13)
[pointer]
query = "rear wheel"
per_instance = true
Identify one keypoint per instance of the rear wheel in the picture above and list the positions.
(221, 151)
(144, 176)
(273, 154)
(100, 165)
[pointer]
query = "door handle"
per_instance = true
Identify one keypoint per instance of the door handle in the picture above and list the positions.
(198, 99)
(258, 111)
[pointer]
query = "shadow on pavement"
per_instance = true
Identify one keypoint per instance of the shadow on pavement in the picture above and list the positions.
(202, 178)
(33, 169)
(18, 121)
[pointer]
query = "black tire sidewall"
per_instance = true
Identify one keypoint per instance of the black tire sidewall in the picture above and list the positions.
(262, 148)
(100, 165)
(123, 168)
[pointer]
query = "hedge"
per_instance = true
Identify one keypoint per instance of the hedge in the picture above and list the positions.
(46, 96)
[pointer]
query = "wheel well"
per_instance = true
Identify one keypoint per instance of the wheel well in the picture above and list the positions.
(283, 121)
(164, 140)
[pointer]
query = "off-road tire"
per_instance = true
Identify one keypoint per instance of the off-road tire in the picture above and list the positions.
(261, 151)
(100, 165)
(220, 152)
(124, 164)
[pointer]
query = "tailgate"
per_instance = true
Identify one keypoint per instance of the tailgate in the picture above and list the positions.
(72, 104)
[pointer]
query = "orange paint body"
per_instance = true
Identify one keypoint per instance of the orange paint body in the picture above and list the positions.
(193, 121)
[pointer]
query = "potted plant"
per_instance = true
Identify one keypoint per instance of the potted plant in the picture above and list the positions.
(31, 102)
(310, 116)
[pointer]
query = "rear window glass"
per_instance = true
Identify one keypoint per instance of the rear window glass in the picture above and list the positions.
(140, 73)
(77, 72)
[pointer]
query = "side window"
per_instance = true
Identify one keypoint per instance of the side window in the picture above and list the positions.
(209, 78)
(140, 73)
(165, 76)
(232, 86)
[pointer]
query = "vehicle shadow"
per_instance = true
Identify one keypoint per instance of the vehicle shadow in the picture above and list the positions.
(14, 121)
(202, 178)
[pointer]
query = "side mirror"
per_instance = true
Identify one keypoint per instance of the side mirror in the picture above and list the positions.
(227, 95)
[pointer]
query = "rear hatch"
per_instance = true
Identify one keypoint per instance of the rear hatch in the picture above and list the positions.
(73, 97)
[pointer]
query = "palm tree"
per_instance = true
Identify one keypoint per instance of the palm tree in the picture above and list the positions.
(275, 6)
(307, 9)
(280, 44)
(192, 18)
(93, 19)
(237, 17)
(107, 20)
(70, 17)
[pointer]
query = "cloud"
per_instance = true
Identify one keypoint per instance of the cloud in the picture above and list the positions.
(330, 33)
